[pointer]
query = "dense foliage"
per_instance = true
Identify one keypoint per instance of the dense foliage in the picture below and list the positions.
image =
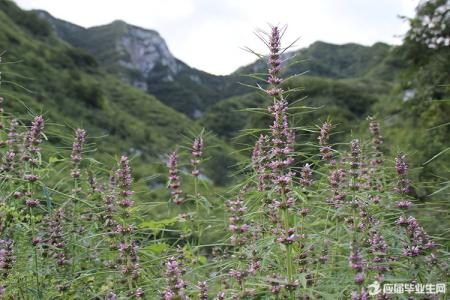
(306, 220)
(302, 194)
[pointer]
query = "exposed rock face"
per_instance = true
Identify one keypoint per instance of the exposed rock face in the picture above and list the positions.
(138, 49)
(144, 50)
(142, 58)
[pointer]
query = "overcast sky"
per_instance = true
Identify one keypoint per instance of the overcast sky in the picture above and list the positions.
(208, 34)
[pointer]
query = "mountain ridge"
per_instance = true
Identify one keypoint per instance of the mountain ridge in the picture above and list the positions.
(134, 55)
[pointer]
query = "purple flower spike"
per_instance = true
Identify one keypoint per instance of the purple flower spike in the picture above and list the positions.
(174, 179)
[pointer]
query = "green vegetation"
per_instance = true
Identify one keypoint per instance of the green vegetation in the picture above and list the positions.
(42, 74)
(170, 196)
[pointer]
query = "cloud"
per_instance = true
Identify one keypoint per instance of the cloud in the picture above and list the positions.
(208, 34)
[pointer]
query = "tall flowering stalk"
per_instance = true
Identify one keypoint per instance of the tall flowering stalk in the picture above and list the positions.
(75, 157)
(54, 237)
(258, 161)
(336, 179)
(7, 262)
(279, 158)
(357, 221)
(377, 141)
(355, 164)
(75, 173)
(31, 156)
(238, 227)
(10, 157)
(128, 259)
(197, 153)
(326, 152)
(174, 179)
(2, 125)
(110, 201)
(31, 150)
(418, 240)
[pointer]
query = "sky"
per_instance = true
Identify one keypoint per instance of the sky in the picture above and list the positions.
(210, 34)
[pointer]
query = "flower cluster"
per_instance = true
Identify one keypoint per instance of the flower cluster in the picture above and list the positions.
(10, 157)
(336, 180)
(80, 138)
(7, 260)
(355, 164)
(203, 287)
(32, 140)
(357, 263)
(128, 259)
(110, 198)
(419, 241)
(306, 176)
(174, 179)
(401, 167)
(258, 161)
(197, 152)
(54, 237)
(378, 248)
(175, 284)
(325, 149)
(125, 179)
(1, 113)
(377, 141)
(238, 227)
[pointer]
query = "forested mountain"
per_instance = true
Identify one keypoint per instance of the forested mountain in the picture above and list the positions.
(41, 74)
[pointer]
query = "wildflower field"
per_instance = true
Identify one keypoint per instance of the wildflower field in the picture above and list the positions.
(305, 220)
(176, 184)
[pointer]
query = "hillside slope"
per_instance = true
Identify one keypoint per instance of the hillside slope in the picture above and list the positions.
(42, 74)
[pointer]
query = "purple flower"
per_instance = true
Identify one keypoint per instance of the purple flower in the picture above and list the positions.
(33, 137)
(203, 287)
(403, 204)
(32, 202)
(336, 179)
(237, 225)
(258, 159)
(31, 178)
(359, 278)
(402, 170)
(355, 164)
(1, 112)
(125, 179)
(401, 165)
(197, 152)
(111, 296)
(356, 261)
(274, 60)
(176, 285)
(138, 293)
(54, 237)
(377, 141)
(80, 137)
(12, 133)
(7, 258)
(325, 150)
(174, 179)
(306, 175)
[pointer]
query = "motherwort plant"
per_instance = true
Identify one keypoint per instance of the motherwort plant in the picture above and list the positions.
(309, 217)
